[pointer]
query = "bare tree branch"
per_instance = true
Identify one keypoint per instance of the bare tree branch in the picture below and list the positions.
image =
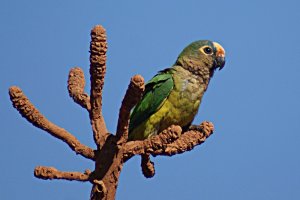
(47, 173)
(185, 142)
(76, 83)
(153, 144)
(188, 140)
(132, 96)
(98, 48)
(29, 112)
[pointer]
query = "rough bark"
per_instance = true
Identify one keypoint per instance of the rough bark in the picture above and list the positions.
(76, 83)
(98, 48)
(112, 150)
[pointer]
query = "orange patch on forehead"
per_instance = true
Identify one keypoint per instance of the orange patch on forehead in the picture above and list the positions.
(220, 49)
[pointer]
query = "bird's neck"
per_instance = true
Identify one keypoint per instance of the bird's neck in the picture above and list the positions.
(197, 69)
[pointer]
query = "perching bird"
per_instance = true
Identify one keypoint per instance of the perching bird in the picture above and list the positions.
(173, 95)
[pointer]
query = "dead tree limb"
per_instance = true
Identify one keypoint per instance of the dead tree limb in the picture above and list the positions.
(49, 173)
(132, 96)
(158, 145)
(76, 83)
(98, 48)
(29, 112)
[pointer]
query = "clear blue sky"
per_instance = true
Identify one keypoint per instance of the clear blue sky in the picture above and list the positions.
(253, 101)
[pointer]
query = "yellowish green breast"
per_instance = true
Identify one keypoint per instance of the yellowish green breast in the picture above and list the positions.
(179, 108)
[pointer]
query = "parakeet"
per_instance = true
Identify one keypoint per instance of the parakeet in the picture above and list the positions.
(173, 95)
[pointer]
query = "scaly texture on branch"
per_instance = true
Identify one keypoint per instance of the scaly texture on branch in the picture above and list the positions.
(98, 48)
(76, 83)
(49, 173)
(185, 142)
(29, 112)
(133, 95)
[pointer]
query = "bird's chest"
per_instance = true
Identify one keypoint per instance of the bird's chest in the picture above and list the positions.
(184, 100)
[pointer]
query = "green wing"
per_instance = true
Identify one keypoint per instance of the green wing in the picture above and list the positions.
(156, 91)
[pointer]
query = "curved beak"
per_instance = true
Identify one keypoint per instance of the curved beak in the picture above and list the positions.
(220, 62)
(220, 56)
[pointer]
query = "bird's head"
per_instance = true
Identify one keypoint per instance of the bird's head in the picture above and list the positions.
(202, 53)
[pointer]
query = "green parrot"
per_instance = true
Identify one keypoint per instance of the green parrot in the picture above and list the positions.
(173, 95)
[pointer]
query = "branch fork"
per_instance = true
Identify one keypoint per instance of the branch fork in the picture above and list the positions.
(112, 150)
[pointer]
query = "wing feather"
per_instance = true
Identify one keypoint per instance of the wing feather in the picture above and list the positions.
(156, 92)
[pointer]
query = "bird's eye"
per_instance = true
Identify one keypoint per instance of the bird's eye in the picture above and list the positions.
(208, 50)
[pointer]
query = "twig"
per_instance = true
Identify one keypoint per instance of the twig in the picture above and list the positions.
(76, 83)
(29, 112)
(98, 48)
(132, 96)
(47, 173)
(147, 166)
